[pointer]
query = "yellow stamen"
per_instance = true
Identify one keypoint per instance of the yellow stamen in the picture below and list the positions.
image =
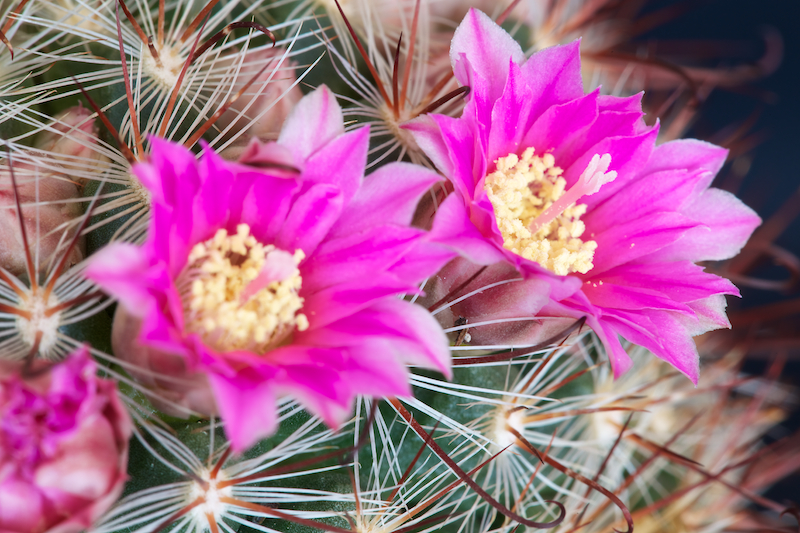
(520, 190)
(219, 308)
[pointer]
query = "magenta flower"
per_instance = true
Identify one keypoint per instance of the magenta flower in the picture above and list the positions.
(570, 185)
(63, 447)
(276, 283)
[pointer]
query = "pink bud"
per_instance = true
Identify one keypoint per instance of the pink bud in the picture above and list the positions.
(165, 374)
(63, 446)
(73, 134)
(262, 107)
(493, 304)
(45, 221)
(49, 179)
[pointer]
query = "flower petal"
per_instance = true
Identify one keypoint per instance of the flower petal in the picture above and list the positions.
(562, 82)
(120, 269)
(388, 196)
(340, 163)
(314, 122)
(453, 229)
(310, 219)
(246, 403)
(489, 49)
(726, 225)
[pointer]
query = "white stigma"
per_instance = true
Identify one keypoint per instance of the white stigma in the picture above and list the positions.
(595, 176)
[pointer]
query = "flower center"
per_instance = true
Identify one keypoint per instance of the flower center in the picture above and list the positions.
(538, 218)
(239, 294)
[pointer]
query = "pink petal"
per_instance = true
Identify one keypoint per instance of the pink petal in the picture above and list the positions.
(617, 356)
(258, 193)
(396, 188)
(609, 295)
(691, 155)
(511, 117)
(336, 302)
(629, 153)
(726, 225)
(170, 173)
(682, 281)
(466, 154)
(408, 327)
(429, 138)
(357, 256)
(627, 242)
(661, 191)
(22, 507)
(270, 156)
(210, 209)
(489, 49)
(663, 334)
(559, 123)
(562, 81)
(711, 315)
(310, 219)
(453, 229)
(340, 163)
(247, 405)
(313, 123)
(119, 269)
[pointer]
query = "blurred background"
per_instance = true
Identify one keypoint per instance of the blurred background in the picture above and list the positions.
(760, 122)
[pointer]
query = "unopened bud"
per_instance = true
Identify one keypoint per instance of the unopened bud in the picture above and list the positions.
(266, 103)
(491, 305)
(48, 203)
(71, 142)
(63, 446)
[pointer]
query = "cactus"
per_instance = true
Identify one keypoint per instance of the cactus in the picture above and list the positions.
(478, 392)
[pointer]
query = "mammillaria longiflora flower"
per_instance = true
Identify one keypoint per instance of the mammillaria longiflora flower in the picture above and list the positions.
(277, 275)
(63, 446)
(563, 184)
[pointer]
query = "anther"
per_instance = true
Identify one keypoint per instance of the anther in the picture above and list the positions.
(537, 218)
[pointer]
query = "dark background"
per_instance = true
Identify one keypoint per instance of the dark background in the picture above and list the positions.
(773, 178)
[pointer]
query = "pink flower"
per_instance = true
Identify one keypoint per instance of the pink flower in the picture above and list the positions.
(275, 282)
(63, 447)
(546, 176)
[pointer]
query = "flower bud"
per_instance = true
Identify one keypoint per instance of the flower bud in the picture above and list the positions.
(44, 222)
(49, 178)
(63, 446)
(165, 374)
(499, 308)
(278, 97)
(72, 136)
(71, 143)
